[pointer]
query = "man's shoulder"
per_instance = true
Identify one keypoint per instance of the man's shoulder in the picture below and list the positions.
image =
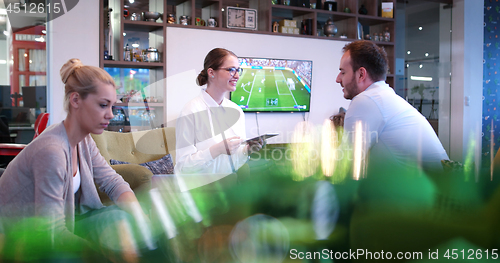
(381, 95)
(378, 88)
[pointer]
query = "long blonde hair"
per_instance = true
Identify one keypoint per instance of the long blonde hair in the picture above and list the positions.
(82, 79)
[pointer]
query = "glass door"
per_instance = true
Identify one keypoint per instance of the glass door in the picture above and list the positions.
(423, 63)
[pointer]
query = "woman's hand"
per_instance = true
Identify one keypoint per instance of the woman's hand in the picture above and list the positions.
(232, 143)
(255, 145)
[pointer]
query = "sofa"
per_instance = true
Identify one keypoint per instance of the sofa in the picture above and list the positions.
(135, 148)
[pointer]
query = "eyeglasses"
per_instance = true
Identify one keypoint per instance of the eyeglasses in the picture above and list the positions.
(233, 71)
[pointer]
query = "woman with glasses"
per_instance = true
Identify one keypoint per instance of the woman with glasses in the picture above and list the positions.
(210, 131)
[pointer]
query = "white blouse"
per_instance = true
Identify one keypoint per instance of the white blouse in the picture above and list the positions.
(76, 180)
(199, 127)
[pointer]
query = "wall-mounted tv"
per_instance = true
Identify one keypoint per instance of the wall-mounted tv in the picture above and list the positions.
(273, 85)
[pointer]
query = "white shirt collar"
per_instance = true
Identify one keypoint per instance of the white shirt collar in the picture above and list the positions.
(379, 83)
(211, 102)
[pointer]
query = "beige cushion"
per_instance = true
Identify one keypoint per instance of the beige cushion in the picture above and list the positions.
(137, 147)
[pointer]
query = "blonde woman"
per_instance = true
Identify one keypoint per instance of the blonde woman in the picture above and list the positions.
(54, 176)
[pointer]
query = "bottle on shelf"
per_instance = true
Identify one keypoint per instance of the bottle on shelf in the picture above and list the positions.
(126, 55)
(136, 53)
(375, 37)
(362, 10)
(387, 35)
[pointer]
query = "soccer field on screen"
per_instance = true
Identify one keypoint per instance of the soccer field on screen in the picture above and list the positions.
(271, 89)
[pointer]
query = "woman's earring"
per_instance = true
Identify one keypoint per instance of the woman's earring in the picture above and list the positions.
(212, 76)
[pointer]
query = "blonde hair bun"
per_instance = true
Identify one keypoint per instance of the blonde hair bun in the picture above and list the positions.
(83, 79)
(69, 67)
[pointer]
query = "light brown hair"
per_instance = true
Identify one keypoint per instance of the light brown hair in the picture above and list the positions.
(214, 60)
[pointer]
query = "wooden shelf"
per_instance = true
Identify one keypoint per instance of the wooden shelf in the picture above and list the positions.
(336, 16)
(384, 43)
(286, 12)
(367, 20)
(176, 2)
(131, 64)
(190, 26)
(347, 24)
(336, 37)
(141, 25)
(204, 3)
(139, 104)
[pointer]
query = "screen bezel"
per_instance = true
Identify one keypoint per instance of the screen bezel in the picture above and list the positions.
(271, 111)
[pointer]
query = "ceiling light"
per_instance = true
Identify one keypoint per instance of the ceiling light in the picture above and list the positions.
(421, 78)
(3, 61)
(131, 1)
(25, 55)
(426, 54)
(44, 32)
(408, 52)
(420, 28)
(6, 33)
(3, 11)
(421, 66)
(31, 61)
(124, 34)
(222, 10)
(407, 65)
(135, 45)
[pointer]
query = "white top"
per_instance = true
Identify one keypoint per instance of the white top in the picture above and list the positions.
(198, 128)
(396, 130)
(76, 180)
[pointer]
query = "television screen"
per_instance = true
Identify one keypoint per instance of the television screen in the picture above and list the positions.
(35, 96)
(273, 85)
(5, 99)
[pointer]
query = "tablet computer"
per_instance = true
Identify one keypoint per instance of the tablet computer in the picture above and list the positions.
(263, 137)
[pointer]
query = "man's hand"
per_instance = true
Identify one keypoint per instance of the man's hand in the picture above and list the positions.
(338, 119)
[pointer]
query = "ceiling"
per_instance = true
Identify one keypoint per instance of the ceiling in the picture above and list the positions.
(425, 14)
(21, 20)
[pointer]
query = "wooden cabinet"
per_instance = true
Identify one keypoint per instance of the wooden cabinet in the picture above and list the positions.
(124, 30)
(145, 79)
